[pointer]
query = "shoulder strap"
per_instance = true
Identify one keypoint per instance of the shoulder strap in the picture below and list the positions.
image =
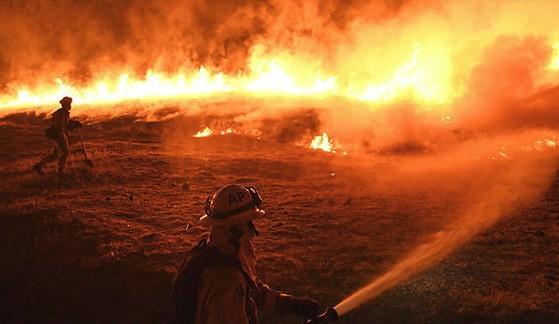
(211, 257)
(61, 111)
(55, 114)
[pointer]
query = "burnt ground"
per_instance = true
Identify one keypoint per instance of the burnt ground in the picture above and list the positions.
(103, 247)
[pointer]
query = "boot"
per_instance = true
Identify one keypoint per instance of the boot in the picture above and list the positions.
(39, 169)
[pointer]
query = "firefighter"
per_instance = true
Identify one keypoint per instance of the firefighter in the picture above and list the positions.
(58, 132)
(217, 283)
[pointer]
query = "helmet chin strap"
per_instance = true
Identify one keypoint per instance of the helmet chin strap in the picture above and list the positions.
(234, 240)
(238, 232)
(252, 228)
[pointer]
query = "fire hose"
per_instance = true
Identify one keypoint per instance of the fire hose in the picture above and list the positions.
(330, 315)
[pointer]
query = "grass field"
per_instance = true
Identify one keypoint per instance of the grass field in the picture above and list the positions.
(103, 247)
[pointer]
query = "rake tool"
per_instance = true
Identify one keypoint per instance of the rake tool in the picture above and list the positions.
(86, 160)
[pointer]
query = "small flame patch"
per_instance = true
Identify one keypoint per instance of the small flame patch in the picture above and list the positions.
(209, 132)
(204, 133)
(322, 142)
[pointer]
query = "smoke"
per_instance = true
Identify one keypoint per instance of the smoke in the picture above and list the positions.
(508, 74)
(427, 72)
(80, 39)
(441, 69)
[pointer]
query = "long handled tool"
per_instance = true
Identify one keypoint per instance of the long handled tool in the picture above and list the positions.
(86, 160)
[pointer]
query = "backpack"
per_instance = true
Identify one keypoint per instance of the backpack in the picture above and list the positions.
(51, 132)
(185, 286)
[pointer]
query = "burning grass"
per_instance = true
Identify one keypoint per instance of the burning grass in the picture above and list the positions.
(367, 52)
(447, 113)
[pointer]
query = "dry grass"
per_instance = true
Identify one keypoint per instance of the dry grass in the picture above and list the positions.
(103, 247)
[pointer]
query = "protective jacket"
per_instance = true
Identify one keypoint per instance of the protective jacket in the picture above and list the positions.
(212, 287)
(61, 122)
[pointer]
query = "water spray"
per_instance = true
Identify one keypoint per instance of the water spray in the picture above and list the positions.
(495, 203)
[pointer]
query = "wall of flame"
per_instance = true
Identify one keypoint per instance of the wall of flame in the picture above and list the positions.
(378, 52)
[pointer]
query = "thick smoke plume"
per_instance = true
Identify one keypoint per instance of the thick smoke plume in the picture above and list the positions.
(80, 39)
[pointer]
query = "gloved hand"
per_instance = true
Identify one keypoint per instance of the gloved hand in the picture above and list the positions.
(306, 307)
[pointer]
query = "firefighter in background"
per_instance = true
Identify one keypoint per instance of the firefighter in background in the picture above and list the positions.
(58, 132)
(216, 283)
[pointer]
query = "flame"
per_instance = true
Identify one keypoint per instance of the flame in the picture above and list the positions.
(554, 63)
(322, 142)
(423, 77)
(280, 74)
(413, 78)
(209, 132)
(204, 133)
(417, 55)
(547, 143)
(228, 131)
(123, 87)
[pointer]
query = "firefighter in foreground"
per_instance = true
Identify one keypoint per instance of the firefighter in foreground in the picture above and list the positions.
(58, 132)
(217, 283)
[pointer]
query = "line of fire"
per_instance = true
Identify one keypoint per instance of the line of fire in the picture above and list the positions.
(279, 161)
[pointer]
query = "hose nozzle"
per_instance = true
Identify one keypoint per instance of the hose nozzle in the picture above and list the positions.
(330, 315)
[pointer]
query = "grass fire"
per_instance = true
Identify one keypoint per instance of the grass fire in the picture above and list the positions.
(391, 161)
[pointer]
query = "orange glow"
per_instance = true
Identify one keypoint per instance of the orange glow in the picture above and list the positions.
(122, 87)
(418, 55)
(209, 132)
(554, 64)
(204, 133)
(419, 77)
(322, 142)
(282, 74)
(423, 78)
(228, 131)
(545, 144)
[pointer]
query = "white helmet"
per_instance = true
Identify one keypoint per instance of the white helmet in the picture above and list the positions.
(232, 204)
